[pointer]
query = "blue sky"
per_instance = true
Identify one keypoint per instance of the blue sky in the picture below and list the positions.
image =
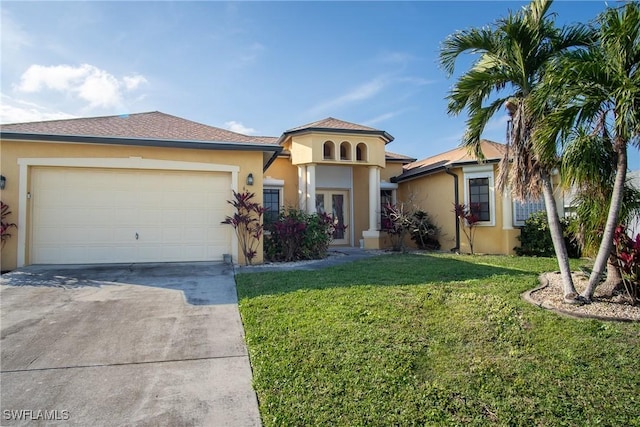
(258, 68)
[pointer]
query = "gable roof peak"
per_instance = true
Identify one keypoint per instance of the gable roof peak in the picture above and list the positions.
(333, 125)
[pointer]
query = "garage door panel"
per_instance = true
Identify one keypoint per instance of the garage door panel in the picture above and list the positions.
(84, 215)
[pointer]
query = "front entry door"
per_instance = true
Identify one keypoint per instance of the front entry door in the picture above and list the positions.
(336, 204)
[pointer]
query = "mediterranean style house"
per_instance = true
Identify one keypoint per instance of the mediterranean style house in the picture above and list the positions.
(152, 187)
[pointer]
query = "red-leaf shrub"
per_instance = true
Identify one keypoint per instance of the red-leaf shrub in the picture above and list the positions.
(5, 226)
(247, 223)
(628, 254)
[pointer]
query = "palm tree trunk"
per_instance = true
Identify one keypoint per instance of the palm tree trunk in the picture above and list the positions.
(614, 278)
(612, 221)
(559, 245)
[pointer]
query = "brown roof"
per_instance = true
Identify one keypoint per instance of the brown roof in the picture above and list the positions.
(153, 125)
(389, 156)
(331, 123)
(334, 125)
(493, 151)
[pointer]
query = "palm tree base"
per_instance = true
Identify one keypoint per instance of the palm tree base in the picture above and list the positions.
(576, 299)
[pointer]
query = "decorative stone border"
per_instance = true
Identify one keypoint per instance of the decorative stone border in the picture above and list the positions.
(544, 283)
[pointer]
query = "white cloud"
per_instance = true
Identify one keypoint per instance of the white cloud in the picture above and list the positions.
(18, 111)
(100, 89)
(132, 82)
(382, 118)
(238, 127)
(97, 87)
(251, 53)
(418, 81)
(360, 93)
(57, 77)
(396, 58)
(13, 36)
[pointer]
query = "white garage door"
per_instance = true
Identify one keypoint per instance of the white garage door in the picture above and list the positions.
(87, 215)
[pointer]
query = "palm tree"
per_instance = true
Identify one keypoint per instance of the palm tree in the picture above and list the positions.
(588, 166)
(599, 89)
(513, 55)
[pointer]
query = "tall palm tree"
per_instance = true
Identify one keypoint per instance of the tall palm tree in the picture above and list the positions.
(513, 55)
(599, 89)
(588, 167)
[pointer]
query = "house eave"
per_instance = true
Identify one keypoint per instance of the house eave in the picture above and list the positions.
(386, 136)
(146, 142)
(439, 168)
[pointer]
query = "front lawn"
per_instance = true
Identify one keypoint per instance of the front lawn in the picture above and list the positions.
(432, 340)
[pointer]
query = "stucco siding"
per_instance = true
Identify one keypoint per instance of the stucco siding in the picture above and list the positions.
(11, 151)
(390, 170)
(360, 202)
(434, 194)
(282, 169)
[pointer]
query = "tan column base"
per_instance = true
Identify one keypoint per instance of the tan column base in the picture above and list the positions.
(371, 239)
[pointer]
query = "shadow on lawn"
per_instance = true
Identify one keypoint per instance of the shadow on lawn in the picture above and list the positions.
(385, 270)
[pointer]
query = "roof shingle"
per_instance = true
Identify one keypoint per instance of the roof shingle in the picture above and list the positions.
(152, 125)
(332, 123)
(493, 151)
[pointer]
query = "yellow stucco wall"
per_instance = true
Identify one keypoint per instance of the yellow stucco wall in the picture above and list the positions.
(10, 151)
(308, 148)
(435, 195)
(390, 170)
(282, 169)
(360, 202)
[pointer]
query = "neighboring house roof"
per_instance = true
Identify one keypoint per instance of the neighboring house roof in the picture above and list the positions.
(333, 125)
(147, 129)
(398, 158)
(493, 152)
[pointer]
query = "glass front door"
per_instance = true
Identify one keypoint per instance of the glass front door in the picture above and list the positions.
(336, 204)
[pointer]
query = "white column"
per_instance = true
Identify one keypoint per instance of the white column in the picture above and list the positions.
(311, 189)
(507, 210)
(302, 187)
(374, 198)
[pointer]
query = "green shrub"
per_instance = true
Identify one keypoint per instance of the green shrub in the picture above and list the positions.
(535, 237)
(424, 232)
(399, 220)
(297, 235)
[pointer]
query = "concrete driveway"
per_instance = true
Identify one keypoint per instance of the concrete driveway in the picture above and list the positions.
(141, 344)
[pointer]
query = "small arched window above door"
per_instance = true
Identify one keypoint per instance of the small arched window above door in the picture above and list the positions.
(345, 150)
(361, 152)
(328, 150)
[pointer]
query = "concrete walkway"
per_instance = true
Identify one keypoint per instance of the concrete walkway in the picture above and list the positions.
(336, 256)
(143, 344)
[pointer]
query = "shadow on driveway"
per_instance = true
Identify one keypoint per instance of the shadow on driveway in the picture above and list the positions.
(140, 344)
(205, 283)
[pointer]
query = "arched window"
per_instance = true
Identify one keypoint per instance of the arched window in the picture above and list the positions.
(361, 152)
(345, 151)
(328, 150)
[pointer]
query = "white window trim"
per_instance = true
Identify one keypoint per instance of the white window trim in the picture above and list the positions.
(274, 184)
(472, 172)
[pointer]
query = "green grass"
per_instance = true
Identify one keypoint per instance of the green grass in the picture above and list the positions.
(432, 340)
